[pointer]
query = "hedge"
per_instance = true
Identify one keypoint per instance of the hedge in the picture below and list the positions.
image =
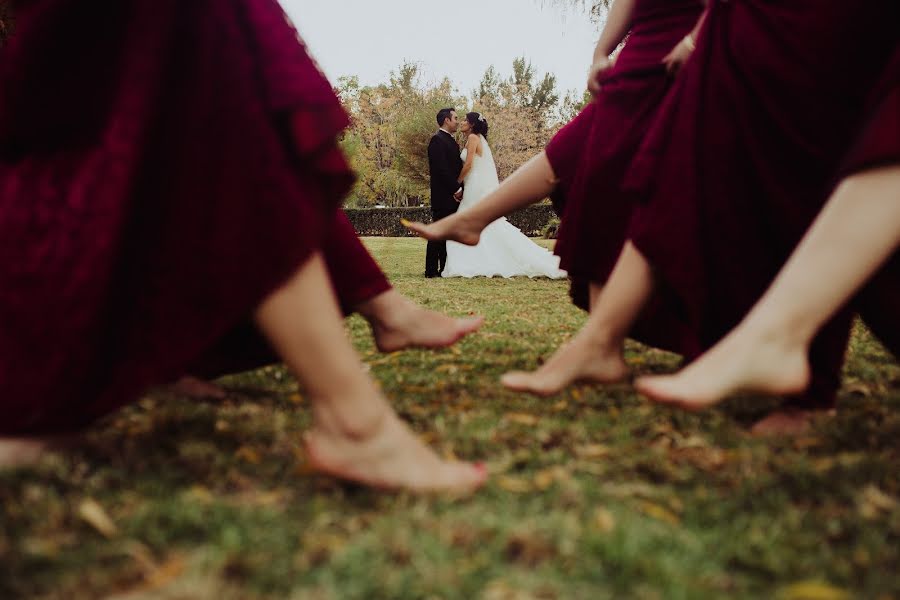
(385, 222)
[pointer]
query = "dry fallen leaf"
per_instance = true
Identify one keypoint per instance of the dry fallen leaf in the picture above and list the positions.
(592, 451)
(248, 454)
(200, 494)
(872, 502)
(659, 513)
(560, 406)
(96, 517)
(812, 590)
(804, 443)
(604, 520)
(514, 484)
(522, 419)
(547, 477)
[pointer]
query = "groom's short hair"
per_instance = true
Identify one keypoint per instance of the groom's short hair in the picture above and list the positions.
(443, 115)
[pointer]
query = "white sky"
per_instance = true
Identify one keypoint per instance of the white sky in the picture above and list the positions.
(458, 39)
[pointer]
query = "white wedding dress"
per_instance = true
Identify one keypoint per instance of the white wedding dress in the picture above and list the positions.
(503, 250)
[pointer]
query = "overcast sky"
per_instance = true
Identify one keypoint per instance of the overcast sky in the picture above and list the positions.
(370, 38)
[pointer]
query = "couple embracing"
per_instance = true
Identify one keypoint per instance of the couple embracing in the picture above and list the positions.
(458, 182)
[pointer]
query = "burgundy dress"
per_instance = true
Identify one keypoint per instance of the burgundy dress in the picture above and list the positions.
(164, 166)
(742, 156)
(591, 154)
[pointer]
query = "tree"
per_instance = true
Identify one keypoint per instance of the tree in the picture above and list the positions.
(596, 8)
(393, 123)
(572, 104)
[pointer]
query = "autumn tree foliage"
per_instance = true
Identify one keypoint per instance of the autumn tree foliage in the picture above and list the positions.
(393, 123)
(596, 8)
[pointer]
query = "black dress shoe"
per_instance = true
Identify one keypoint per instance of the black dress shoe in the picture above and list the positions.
(432, 275)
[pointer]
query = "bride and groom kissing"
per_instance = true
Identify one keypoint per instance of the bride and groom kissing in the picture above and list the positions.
(460, 180)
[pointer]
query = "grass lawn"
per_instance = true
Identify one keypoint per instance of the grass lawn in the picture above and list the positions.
(595, 493)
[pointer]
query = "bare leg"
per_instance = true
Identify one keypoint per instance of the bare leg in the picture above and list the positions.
(595, 354)
(194, 387)
(855, 233)
(398, 323)
(595, 290)
(27, 451)
(531, 182)
(356, 435)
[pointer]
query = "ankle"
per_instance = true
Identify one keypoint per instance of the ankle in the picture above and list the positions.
(355, 419)
(475, 220)
(602, 339)
(788, 334)
(383, 308)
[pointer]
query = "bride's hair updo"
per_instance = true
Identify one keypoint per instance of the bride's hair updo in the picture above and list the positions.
(478, 122)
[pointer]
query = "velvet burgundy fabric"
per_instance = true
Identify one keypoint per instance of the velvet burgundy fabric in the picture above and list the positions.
(164, 166)
(741, 158)
(591, 154)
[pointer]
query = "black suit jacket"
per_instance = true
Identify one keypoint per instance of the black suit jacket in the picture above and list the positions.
(445, 165)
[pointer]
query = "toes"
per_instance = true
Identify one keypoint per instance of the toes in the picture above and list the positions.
(462, 478)
(470, 325)
(419, 228)
(524, 382)
(663, 390)
(515, 380)
(657, 389)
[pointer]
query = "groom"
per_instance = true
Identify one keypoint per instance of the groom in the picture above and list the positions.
(445, 165)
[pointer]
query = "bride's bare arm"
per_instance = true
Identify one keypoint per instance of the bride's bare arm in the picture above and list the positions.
(471, 147)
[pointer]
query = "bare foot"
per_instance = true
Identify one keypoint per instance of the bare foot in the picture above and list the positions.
(391, 458)
(580, 360)
(25, 452)
(785, 422)
(460, 227)
(398, 323)
(192, 387)
(745, 361)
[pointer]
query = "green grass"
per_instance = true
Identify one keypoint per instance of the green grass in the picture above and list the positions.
(596, 493)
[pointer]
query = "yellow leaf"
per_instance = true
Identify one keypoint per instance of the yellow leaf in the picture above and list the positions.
(200, 494)
(659, 513)
(522, 419)
(808, 442)
(514, 484)
(604, 520)
(167, 572)
(592, 451)
(97, 518)
(879, 499)
(248, 454)
(872, 502)
(543, 480)
(812, 590)
(560, 406)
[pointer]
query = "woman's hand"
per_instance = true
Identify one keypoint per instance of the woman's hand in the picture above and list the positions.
(597, 71)
(679, 55)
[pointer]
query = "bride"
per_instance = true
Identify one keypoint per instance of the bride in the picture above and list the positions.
(502, 249)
